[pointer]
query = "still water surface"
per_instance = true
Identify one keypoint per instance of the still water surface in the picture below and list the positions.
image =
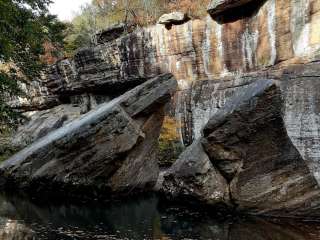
(136, 219)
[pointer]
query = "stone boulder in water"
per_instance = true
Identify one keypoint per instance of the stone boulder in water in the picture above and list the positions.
(264, 142)
(110, 150)
(268, 175)
(193, 176)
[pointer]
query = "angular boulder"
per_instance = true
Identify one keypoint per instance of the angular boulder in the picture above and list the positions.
(173, 18)
(193, 177)
(106, 152)
(269, 175)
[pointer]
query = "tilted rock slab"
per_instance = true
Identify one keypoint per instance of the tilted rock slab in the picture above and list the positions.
(40, 123)
(110, 150)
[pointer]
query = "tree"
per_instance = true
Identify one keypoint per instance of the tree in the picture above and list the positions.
(25, 27)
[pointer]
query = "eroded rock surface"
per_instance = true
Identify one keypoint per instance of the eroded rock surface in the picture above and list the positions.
(272, 178)
(198, 53)
(108, 150)
(263, 141)
(194, 177)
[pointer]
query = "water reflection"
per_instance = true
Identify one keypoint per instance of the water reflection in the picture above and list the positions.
(136, 219)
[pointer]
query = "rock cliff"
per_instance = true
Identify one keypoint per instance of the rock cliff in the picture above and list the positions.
(217, 59)
(273, 33)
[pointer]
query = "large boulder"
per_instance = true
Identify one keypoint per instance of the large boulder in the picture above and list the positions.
(173, 18)
(108, 151)
(264, 142)
(250, 143)
(270, 177)
(194, 177)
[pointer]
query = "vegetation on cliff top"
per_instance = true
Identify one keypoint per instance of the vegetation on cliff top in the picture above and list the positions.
(101, 14)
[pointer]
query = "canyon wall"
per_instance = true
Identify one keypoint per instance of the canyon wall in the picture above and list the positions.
(207, 56)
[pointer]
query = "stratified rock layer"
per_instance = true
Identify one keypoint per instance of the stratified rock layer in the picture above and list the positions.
(264, 141)
(109, 150)
(272, 177)
(198, 53)
(40, 123)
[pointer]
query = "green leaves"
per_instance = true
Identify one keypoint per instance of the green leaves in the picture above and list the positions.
(25, 26)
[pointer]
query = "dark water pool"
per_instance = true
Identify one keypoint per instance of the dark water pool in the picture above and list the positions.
(136, 219)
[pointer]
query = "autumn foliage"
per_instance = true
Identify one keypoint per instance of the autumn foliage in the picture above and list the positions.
(101, 14)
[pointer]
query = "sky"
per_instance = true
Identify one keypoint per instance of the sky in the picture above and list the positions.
(66, 9)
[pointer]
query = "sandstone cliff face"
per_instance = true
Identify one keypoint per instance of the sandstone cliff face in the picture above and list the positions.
(266, 34)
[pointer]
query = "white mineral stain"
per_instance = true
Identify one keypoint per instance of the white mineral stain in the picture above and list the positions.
(300, 26)
(249, 46)
(206, 47)
(272, 30)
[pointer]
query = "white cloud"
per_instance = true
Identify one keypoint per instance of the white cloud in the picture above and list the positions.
(66, 9)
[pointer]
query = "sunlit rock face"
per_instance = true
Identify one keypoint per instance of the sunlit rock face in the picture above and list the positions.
(173, 18)
(198, 53)
(109, 151)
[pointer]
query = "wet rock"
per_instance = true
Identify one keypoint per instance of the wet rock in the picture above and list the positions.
(193, 177)
(109, 150)
(173, 18)
(218, 6)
